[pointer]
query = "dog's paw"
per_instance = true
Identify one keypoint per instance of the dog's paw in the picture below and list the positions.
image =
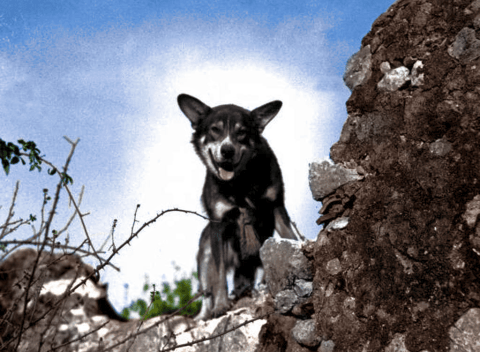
(202, 316)
(219, 312)
(221, 308)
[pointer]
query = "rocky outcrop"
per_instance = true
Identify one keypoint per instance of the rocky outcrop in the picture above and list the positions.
(289, 274)
(68, 309)
(396, 266)
(403, 271)
(85, 321)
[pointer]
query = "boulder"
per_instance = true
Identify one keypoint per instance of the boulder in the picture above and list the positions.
(84, 320)
(402, 272)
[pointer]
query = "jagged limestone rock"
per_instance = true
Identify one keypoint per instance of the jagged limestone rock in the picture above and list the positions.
(325, 177)
(305, 333)
(394, 79)
(359, 68)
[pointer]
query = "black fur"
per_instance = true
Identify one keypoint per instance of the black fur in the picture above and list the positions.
(243, 195)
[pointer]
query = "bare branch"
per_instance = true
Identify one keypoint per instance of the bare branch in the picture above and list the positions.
(10, 211)
(56, 245)
(32, 280)
(78, 338)
(47, 227)
(69, 222)
(72, 199)
(154, 325)
(300, 235)
(236, 327)
(112, 232)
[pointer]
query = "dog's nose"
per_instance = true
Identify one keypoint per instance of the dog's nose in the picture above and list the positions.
(228, 151)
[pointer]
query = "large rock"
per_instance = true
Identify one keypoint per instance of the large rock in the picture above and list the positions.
(284, 264)
(465, 334)
(359, 68)
(85, 320)
(325, 177)
(404, 269)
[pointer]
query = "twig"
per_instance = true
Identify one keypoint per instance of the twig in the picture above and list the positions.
(112, 232)
(10, 212)
(69, 222)
(97, 270)
(302, 237)
(78, 338)
(55, 245)
(143, 317)
(35, 264)
(203, 339)
(154, 325)
(72, 199)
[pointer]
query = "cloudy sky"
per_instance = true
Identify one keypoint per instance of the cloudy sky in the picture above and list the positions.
(108, 72)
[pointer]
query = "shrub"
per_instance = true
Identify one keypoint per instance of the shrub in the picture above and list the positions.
(167, 301)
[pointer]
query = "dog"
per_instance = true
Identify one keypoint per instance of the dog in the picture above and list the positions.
(243, 196)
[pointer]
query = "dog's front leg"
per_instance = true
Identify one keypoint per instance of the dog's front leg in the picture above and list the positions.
(212, 271)
(206, 273)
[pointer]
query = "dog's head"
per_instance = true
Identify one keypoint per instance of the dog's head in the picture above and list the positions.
(225, 136)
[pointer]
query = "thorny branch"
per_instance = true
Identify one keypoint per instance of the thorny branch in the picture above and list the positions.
(47, 227)
(203, 339)
(34, 281)
(10, 211)
(79, 338)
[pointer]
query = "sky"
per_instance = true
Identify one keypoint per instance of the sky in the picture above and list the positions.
(108, 72)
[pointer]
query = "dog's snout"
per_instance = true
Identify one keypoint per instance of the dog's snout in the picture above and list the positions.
(227, 151)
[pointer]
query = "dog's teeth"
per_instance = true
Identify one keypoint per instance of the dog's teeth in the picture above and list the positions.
(225, 175)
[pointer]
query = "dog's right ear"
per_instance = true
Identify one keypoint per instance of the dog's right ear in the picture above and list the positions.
(265, 113)
(193, 108)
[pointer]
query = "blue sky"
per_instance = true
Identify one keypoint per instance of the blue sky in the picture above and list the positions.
(108, 72)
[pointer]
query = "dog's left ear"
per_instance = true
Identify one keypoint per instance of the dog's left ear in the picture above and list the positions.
(193, 108)
(265, 113)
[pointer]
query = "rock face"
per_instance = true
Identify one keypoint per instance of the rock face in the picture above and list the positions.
(407, 265)
(397, 265)
(289, 275)
(85, 320)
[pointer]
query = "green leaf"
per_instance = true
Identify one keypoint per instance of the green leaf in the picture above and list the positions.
(6, 166)
(125, 313)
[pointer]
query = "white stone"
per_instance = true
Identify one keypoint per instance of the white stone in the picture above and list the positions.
(416, 77)
(394, 79)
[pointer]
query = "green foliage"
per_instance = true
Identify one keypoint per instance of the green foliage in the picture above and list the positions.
(10, 154)
(167, 301)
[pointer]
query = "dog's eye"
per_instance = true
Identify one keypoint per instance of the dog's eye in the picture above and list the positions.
(215, 130)
(241, 135)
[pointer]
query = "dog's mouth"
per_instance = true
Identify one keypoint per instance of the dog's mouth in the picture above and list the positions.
(225, 169)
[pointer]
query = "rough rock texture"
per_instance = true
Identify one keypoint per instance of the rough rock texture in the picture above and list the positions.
(86, 308)
(289, 275)
(407, 265)
(284, 263)
(324, 178)
(359, 68)
(305, 333)
(465, 334)
(87, 312)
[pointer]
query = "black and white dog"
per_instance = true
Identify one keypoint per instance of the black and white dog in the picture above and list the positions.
(243, 196)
